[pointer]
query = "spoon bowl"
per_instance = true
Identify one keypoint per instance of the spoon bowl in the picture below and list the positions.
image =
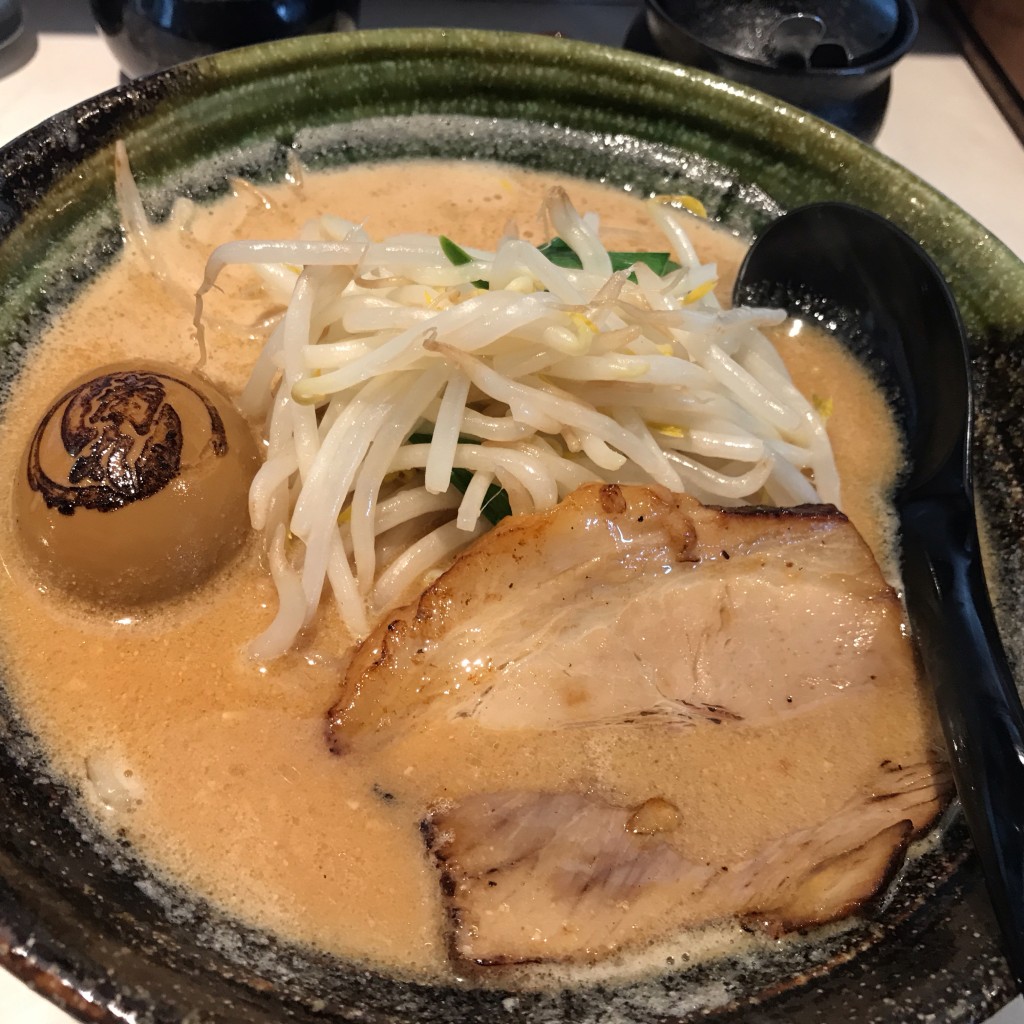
(877, 289)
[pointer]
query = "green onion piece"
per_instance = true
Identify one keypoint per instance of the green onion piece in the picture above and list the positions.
(495, 506)
(455, 253)
(559, 253)
(459, 258)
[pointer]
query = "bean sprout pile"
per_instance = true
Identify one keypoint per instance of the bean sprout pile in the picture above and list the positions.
(410, 400)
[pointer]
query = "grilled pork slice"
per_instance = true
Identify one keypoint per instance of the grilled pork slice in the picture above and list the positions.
(534, 877)
(628, 603)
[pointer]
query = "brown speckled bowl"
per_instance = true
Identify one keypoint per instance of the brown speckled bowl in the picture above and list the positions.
(80, 918)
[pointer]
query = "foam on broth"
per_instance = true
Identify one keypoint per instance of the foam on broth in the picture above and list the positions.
(221, 775)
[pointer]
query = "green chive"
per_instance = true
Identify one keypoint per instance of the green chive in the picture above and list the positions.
(559, 253)
(495, 505)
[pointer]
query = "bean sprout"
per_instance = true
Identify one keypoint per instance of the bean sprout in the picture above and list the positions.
(409, 397)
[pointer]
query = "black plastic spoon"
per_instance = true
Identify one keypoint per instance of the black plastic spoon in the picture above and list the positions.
(895, 310)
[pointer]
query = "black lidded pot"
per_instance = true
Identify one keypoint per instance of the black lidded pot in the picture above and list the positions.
(148, 35)
(831, 57)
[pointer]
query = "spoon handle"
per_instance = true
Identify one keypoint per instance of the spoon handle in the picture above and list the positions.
(979, 705)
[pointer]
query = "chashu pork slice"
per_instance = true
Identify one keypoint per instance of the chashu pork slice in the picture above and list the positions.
(553, 877)
(628, 603)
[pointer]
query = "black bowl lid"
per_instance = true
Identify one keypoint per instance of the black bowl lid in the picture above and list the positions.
(791, 34)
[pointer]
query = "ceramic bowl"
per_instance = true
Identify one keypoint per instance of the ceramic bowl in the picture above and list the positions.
(80, 919)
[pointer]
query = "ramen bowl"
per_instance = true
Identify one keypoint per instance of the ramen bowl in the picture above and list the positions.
(82, 918)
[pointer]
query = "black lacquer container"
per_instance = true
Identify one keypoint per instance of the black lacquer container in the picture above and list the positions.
(831, 57)
(148, 35)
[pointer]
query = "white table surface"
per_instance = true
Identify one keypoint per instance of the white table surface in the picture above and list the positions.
(941, 124)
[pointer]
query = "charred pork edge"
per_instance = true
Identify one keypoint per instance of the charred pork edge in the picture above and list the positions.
(773, 925)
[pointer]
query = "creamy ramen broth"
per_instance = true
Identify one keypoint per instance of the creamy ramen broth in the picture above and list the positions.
(215, 768)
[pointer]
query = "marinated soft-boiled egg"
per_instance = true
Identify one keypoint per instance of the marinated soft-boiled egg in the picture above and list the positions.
(135, 485)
